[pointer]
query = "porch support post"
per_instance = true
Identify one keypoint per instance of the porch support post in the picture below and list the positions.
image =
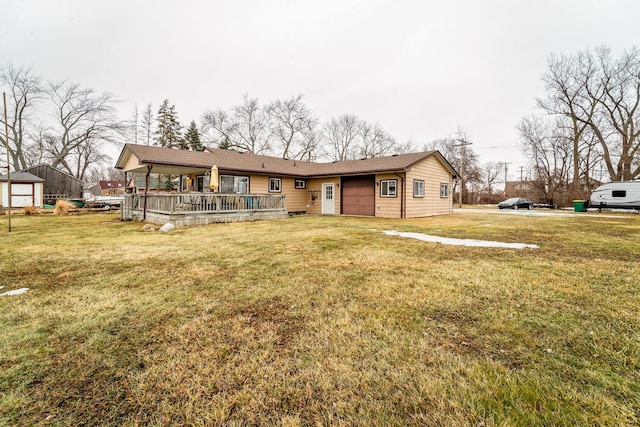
(146, 189)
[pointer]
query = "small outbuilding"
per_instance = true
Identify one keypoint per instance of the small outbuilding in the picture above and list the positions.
(57, 184)
(26, 190)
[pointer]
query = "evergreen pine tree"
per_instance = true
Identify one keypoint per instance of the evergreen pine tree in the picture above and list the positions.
(169, 131)
(191, 139)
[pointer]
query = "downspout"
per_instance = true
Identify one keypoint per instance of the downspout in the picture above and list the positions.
(402, 194)
(146, 188)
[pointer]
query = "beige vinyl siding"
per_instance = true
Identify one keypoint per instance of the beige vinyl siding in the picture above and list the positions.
(433, 173)
(132, 163)
(388, 207)
(314, 190)
(295, 198)
(314, 186)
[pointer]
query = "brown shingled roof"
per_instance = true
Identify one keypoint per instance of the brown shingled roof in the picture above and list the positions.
(253, 163)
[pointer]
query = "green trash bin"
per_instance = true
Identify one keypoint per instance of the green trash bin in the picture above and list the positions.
(579, 205)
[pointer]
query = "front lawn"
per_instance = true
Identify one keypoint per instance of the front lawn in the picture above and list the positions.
(321, 321)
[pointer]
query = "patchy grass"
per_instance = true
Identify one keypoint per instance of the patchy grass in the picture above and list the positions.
(320, 321)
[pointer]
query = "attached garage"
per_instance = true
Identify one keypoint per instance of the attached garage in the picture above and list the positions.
(26, 190)
(358, 195)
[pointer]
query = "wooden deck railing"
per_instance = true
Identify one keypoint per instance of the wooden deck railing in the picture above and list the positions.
(199, 203)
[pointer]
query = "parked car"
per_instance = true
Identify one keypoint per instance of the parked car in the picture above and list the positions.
(516, 203)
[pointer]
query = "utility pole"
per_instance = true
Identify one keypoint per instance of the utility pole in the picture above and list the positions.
(521, 169)
(6, 142)
(505, 178)
(463, 152)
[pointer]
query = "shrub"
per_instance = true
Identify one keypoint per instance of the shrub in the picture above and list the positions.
(63, 207)
(30, 210)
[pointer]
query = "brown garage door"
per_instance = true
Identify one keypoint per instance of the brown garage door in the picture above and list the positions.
(359, 195)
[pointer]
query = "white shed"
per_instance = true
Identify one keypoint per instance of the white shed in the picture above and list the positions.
(26, 190)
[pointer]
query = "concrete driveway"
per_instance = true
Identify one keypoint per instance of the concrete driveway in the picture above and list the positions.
(544, 212)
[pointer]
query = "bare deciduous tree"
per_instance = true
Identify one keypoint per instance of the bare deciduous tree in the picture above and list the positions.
(620, 137)
(409, 146)
(374, 141)
(85, 120)
(251, 126)
(341, 134)
(596, 92)
(573, 89)
(348, 137)
(491, 171)
(25, 90)
(549, 146)
(245, 127)
(293, 128)
(218, 128)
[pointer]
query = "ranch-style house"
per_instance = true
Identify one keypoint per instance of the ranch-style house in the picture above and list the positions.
(218, 185)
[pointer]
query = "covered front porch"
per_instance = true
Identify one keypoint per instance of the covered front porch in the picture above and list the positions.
(201, 208)
(192, 193)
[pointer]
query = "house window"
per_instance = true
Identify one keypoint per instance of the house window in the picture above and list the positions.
(388, 187)
(619, 193)
(199, 183)
(234, 184)
(444, 190)
(301, 183)
(275, 185)
(418, 188)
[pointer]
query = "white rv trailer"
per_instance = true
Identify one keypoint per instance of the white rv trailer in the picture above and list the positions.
(616, 195)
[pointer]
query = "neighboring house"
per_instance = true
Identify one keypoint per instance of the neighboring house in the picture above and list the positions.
(400, 186)
(57, 184)
(528, 189)
(112, 188)
(26, 190)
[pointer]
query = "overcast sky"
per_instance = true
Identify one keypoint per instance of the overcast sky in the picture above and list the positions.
(420, 69)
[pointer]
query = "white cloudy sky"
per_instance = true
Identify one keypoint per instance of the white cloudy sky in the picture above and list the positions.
(421, 69)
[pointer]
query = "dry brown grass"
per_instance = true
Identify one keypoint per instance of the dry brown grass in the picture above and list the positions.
(30, 210)
(321, 321)
(63, 207)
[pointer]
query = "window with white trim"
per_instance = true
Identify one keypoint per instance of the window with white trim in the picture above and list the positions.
(444, 190)
(388, 187)
(418, 188)
(275, 185)
(301, 183)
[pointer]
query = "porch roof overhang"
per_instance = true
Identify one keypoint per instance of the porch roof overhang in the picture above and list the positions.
(168, 169)
(130, 162)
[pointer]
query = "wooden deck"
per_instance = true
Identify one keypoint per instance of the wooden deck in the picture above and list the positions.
(201, 208)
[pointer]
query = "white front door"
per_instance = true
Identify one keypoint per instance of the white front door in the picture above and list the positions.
(328, 205)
